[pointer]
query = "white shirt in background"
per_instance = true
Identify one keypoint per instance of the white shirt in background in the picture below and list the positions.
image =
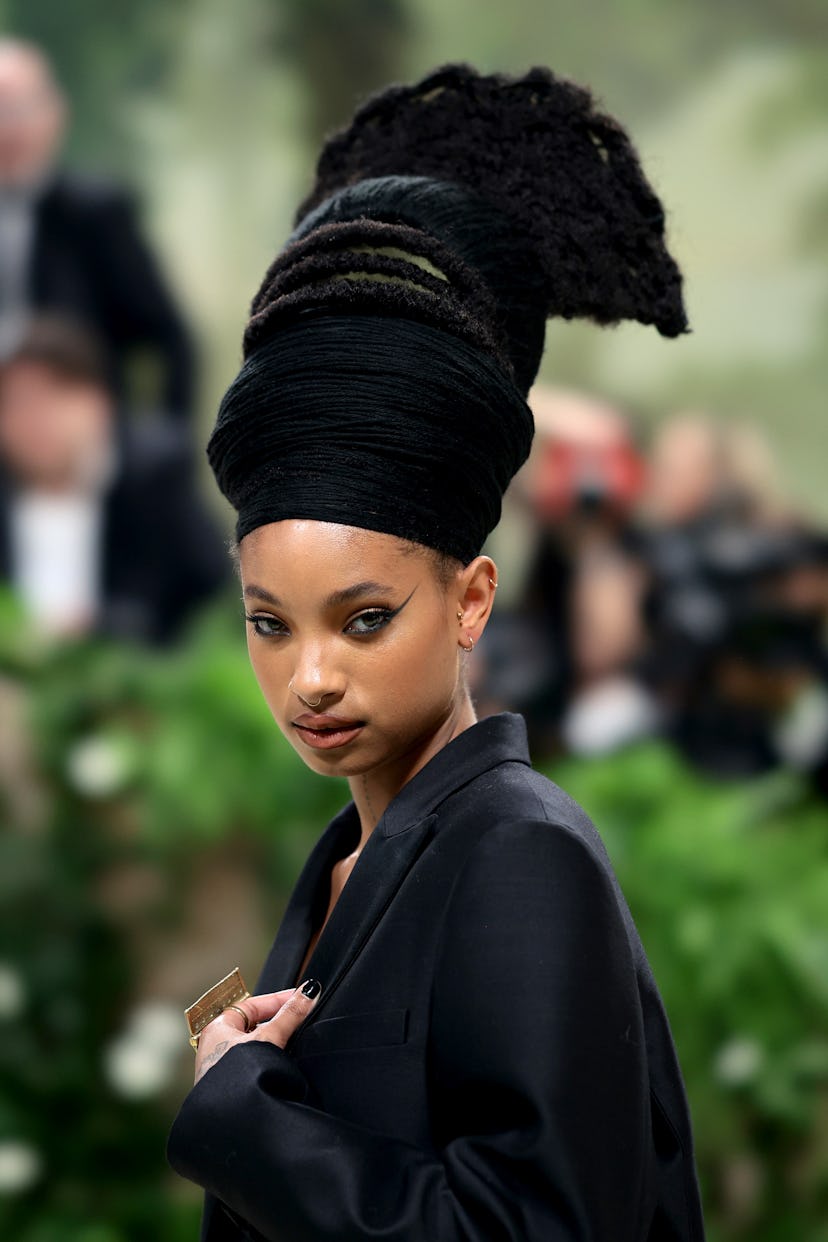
(56, 557)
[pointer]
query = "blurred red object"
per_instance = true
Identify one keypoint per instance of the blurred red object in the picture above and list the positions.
(584, 459)
(571, 477)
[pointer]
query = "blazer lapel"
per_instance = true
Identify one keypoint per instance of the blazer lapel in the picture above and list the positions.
(378, 873)
(391, 850)
(308, 903)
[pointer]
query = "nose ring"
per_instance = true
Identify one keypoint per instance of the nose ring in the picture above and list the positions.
(307, 702)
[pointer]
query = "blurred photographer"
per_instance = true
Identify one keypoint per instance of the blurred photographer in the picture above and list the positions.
(738, 658)
(565, 654)
(737, 604)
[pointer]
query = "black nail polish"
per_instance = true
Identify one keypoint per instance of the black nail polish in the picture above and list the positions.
(311, 988)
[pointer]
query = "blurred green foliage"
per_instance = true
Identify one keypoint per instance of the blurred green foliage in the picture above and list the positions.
(137, 761)
(728, 884)
(150, 760)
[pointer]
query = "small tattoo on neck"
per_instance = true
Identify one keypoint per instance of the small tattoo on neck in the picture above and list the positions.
(368, 801)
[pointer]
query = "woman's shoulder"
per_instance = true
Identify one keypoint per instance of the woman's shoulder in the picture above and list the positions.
(513, 799)
(531, 849)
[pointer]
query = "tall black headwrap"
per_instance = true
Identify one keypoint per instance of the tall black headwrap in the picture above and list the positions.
(393, 341)
(356, 429)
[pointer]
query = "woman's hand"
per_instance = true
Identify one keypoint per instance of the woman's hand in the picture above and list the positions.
(270, 1019)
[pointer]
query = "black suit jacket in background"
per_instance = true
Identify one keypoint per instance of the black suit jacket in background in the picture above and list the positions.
(90, 262)
(162, 554)
(489, 1058)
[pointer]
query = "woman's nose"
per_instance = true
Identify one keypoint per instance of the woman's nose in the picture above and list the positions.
(315, 679)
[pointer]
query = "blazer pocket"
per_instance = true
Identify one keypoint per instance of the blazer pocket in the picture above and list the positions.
(354, 1032)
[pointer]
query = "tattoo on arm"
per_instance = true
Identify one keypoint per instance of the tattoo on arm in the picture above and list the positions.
(211, 1058)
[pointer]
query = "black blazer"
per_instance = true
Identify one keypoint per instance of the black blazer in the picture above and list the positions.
(162, 554)
(90, 262)
(489, 1058)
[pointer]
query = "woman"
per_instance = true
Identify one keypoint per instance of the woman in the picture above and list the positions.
(476, 1049)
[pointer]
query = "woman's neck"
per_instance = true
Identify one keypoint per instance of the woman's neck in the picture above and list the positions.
(373, 791)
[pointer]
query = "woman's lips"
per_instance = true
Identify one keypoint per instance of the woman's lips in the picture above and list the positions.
(326, 732)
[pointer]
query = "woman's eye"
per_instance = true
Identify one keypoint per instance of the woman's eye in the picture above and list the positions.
(266, 627)
(370, 621)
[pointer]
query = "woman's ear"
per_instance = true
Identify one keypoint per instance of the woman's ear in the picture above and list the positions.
(476, 586)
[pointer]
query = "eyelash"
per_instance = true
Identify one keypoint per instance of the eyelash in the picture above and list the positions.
(384, 615)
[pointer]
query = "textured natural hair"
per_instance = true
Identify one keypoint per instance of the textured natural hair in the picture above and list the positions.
(369, 265)
(392, 343)
(525, 198)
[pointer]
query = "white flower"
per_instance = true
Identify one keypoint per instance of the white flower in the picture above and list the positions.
(141, 1061)
(801, 734)
(135, 1069)
(738, 1061)
(97, 766)
(20, 1166)
(12, 993)
(160, 1024)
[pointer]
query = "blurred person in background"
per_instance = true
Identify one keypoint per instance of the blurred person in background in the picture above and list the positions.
(564, 654)
(685, 476)
(70, 244)
(737, 605)
(739, 656)
(609, 704)
(704, 478)
(688, 501)
(101, 527)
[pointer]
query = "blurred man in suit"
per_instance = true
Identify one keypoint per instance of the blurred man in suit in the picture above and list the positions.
(72, 245)
(101, 528)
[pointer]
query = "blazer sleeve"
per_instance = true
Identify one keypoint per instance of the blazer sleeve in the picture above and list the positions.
(538, 1064)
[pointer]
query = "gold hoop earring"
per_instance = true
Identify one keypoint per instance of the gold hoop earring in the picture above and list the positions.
(470, 646)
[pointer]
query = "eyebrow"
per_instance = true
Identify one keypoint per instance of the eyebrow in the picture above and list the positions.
(345, 596)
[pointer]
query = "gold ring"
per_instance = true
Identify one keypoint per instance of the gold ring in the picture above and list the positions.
(243, 1013)
(214, 1001)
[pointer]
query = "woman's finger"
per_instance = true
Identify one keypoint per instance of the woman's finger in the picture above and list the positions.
(261, 1008)
(245, 1014)
(292, 1014)
(236, 1020)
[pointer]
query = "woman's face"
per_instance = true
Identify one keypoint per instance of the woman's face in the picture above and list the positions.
(357, 624)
